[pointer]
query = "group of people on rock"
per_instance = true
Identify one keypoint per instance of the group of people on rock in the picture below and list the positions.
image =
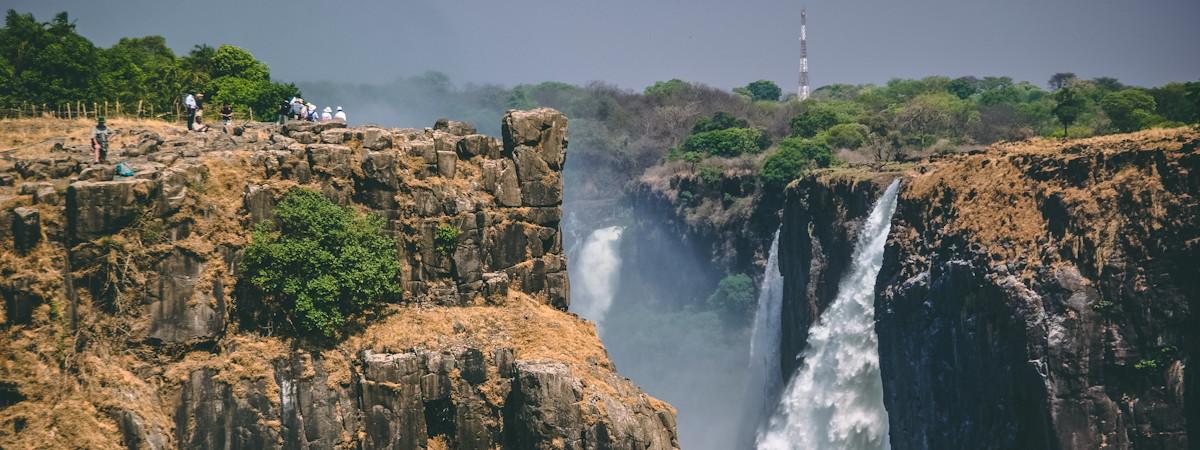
(193, 103)
(299, 109)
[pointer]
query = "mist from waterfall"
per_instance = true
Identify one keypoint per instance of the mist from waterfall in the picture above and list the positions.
(835, 400)
(763, 376)
(596, 272)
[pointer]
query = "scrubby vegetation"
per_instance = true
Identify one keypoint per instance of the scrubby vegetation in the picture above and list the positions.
(50, 65)
(319, 264)
(735, 297)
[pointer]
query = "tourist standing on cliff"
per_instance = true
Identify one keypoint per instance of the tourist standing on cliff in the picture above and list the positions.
(285, 107)
(100, 141)
(189, 103)
(340, 115)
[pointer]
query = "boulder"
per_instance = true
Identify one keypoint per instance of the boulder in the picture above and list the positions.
(304, 137)
(500, 180)
(446, 163)
(96, 209)
(543, 129)
(541, 193)
(333, 136)
(26, 228)
(329, 159)
(47, 195)
(474, 145)
(454, 127)
(376, 139)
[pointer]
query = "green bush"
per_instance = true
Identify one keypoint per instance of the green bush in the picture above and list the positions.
(445, 237)
(794, 157)
(719, 121)
(1129, 109)
(735, 296)
(846, 135)
(729, 142)
(320, 263)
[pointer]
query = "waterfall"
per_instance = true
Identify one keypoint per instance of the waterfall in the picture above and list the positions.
(835, 400)
(763, 377)
(598, 265)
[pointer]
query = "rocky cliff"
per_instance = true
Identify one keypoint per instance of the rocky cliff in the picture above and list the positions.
(1034, 295)
(124, 326)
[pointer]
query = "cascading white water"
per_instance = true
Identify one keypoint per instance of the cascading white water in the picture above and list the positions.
(763, 378)
(598, 265)
(835, 400)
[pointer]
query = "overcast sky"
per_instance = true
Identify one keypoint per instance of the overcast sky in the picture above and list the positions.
(632, 43)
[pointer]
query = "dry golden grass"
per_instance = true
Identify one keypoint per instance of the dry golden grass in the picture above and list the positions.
(994, 199)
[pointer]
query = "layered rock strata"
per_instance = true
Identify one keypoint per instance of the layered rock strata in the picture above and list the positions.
(125, 291)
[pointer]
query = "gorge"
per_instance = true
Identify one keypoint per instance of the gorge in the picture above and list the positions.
(1030, 295)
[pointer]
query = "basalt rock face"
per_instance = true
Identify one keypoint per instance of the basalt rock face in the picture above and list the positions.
(1035, 295)
(1042, 296)
(124, 325)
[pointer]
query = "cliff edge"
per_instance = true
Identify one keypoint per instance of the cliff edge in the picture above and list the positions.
(125, 327)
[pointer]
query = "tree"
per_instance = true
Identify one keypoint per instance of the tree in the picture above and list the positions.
(1129, 109)
(46, 63)
(763, 90)
(318, 265)
(1173, 103)
(1108, 84)
(729, 142)
(720, 120)
(963, 87)
(735, 296)
(230, 61)
(794, 157)
(1061, 80)
(846, 135)
(1069, 106)
(813, 120)
(665, 88)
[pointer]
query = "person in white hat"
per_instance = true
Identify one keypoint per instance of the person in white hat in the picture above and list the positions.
(327, 115)
(340, 115)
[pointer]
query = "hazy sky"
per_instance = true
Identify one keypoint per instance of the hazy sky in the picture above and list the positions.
(634, 42)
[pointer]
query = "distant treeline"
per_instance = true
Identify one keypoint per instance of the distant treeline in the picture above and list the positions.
(49, 63)
(630, 130)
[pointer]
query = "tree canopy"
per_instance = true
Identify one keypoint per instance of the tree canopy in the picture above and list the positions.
(50, 63)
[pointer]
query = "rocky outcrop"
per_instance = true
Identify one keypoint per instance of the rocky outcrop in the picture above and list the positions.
(146, 268)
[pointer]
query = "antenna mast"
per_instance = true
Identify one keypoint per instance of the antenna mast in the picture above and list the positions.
(802, 92)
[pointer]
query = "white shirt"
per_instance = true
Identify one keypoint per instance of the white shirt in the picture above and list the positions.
(341, 115)
(326, 117)
(189, 101)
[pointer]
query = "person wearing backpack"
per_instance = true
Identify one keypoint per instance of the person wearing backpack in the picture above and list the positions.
(100, 136)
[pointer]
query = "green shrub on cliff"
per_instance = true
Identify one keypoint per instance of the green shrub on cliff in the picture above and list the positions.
(320, 264)
(794, 157)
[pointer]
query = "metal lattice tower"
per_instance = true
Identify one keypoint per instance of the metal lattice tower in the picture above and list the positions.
(802, 92)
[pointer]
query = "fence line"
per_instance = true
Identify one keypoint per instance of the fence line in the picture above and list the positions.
(82, 110)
